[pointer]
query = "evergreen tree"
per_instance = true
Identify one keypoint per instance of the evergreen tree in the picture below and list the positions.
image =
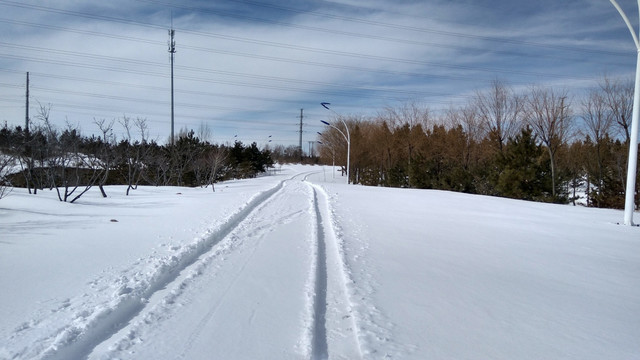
(608, 183)
(524, 175)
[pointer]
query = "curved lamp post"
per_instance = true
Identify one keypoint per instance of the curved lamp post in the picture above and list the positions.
(629, 203)
(347, 137)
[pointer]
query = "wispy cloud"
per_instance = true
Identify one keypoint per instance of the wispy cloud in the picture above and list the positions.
(246, 68)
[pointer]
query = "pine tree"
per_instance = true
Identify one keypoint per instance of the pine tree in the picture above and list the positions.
(524, 174)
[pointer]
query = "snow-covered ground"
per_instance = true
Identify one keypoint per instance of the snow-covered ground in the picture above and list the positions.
(299, 265)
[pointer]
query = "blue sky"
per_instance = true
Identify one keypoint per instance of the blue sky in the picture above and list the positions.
(245, 68)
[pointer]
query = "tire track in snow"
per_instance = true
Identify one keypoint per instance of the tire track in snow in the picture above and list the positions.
(252, 228)
(195, 334)
(78, 341)
(244, 238)
(319, 346)
(335, 329)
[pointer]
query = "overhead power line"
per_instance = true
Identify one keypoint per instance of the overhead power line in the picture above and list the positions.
(501, 40)
(332, 52)
(299, 86)
(386, 25)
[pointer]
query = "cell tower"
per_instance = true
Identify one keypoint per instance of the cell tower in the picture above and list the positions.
(300, 145)
(26, 116)
(172, 51)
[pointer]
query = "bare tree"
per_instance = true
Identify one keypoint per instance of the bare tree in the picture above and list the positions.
(409, 113)
(67, 167)
(6, 164)
(30, 147)
(157, 168)
(408, 123)
(47, 154)
(105, 151)
(70, 162)
(216, 158)
(133, 152)
(618, 97)
(383, 144)
(500, 110)
(467, 118)
(204, 132)
(549, 115)
(51, 153)
(598, 120)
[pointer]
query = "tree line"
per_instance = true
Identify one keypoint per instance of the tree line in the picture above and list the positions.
(539, 144)
(44, 157)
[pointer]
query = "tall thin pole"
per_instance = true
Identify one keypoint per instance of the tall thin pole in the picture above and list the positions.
(172, 51)
(349, 148)
(629, 200)
(26, 112)
(300, 146)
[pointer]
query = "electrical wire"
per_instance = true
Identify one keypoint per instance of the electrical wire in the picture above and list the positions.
(260, 81)
(385, 25)
(288, 46)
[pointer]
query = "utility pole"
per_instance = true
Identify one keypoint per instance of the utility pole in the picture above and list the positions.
(26, 116)
(300, 145)
(172, 51)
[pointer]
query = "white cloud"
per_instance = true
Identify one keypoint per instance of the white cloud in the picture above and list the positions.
(251, 78)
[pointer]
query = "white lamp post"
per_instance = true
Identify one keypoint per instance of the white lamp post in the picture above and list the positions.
(629, 203)
(347, 137)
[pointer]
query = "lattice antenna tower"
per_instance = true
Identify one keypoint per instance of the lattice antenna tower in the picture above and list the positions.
(172, 51)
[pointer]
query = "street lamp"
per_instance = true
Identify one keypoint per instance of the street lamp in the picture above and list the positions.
(347, 137)
(629, 202)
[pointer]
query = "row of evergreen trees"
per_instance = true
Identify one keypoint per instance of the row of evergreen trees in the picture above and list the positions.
(70, 163)
(540, 145)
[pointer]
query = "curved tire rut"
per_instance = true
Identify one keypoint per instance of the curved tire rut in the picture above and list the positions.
(79, 343)
(333, 323)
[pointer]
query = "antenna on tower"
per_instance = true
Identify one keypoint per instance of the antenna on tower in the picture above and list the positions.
(26, 117)
(300, 145)
(172, 51)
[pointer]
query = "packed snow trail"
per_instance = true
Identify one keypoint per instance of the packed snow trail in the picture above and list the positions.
(273, 288)
(89, 328)
(333, 271)
(339, 317)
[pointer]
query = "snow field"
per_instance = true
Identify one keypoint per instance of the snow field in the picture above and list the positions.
(456, 276)
(249, 270)
(81, 321)
(301, 266)
(373, 329)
